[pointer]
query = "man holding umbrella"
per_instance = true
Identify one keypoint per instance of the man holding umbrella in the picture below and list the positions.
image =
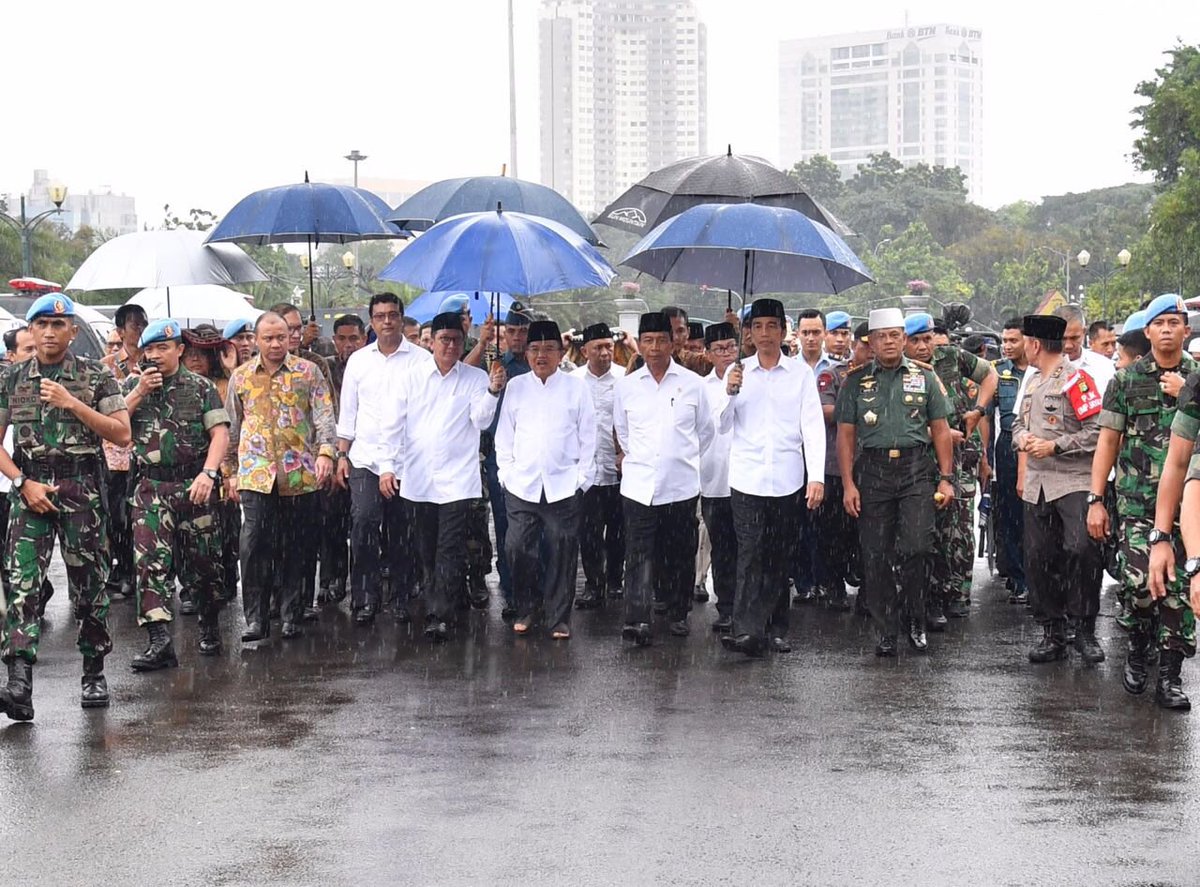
(776, 468)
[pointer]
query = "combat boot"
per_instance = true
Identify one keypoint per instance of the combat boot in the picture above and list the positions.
(210, 632)
(95, 687)
(1053, 645)
(16, 700)
(1085, 641)
(1169, 693)
(1136, 676)
(160, 653)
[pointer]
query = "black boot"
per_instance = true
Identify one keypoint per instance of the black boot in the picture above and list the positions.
(1085, 640)
(210, 632)
(477, 590)
(95, 687)
(16, 700)
(1053, 645)
(1169, 693)
(160, 653)
(1136, 675)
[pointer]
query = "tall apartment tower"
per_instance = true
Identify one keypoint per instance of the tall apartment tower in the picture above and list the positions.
(623, 92)
(915, 92)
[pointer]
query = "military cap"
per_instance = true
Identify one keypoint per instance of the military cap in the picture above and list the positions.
(695, 330)
(237, 327)
(862, 331)
(544, 331)
(167, 330)
(596, 331)
(654, 322)
(447, 320)
(1135, 321)
(517, 315)
(1044, 326)
(918, 323)
(719, 332)
(55, 304)
(768, 308)
(836, 320)
(885, 319)
(1167, 303)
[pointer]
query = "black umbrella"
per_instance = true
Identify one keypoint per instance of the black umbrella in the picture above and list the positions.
(721, 178)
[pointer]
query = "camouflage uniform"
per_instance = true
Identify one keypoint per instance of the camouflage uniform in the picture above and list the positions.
(952, 566)
(58, 449)
(1137, 409)
(170, 441)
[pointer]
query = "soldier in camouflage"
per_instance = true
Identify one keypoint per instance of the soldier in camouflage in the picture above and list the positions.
(957, 369)
(60, 407)
(180, 434)
(1139, 408)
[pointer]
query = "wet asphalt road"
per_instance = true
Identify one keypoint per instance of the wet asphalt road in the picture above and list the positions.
(364, 756)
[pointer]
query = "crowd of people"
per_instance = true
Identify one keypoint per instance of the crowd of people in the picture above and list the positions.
(790, 460)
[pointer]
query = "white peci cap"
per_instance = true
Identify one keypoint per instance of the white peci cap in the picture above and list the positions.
(885, 319)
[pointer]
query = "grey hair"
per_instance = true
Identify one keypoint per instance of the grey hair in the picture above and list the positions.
(1071, 314)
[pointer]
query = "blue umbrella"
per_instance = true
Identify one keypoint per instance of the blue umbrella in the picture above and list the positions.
(761, 249)
(453, 197)
(426, 305)
(308, 212)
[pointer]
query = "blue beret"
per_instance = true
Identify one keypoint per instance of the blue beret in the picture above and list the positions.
(55, 303)
(744, 312)
(453, 303)
(918, 323)
(237, 327)
(1135, 321)
(836, 320)
(1167, 303)
(161, 331)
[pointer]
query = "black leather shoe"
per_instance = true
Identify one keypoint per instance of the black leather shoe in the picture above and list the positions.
(1053, 645)
(1018, 596)
(94, 692)
(16, 699)
(160, 653)
(723, 625)
(1136, 676)
(638, 632)
(256, 631)
(1169, 692)
(780, 645)
(745, 644)
(588, 599)
(1085, 641)
(916, 636)
(935, 618)
(210, 635)
(660, 609)
(310, 614)
(679, 628)
(886, 645)
(616, 593)
(290, 631)
(438, 632)
(700, 594)
(365, 614)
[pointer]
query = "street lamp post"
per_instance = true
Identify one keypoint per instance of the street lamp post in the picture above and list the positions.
(25, 226)
(1104, 275)
(330, 274)
(355, 157)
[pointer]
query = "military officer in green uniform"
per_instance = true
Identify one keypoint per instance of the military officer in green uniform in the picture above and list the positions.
(891, 412)
(1135, 428)
(953, 565)
(60, 406)
(180, 433)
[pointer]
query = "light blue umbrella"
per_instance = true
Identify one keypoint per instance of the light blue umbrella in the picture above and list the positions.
(426, 305)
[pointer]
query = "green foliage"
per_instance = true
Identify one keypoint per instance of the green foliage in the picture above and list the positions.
(1170, 119)
(821, 180)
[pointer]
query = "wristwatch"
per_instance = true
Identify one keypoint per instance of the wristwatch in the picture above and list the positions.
(1156, 535)
(1191, 568)
(213, 474)
(18, 482)
(1093, 498)
(948, 478)
(342, 454)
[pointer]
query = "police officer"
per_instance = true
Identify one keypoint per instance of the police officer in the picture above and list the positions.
(60, 407)
(895, 411)
(180, 434)
(1055, 434)
(1135, 428)
(1009, 513)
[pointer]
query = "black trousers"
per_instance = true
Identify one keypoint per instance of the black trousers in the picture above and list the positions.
(1008, 514)
(115, 496)
(764, 525)
(836, 540)
(335, 535)
(1063, 564)
(278, 549)
(660, 556)
(722, 534)
(602, 538)
(896, 532)
(542, 547)
(440, 535)
(372, 517)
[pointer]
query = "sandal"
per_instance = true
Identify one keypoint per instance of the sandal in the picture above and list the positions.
(522, 625)
(561, 632)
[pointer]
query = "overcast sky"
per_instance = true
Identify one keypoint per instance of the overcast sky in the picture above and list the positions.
(198, 104)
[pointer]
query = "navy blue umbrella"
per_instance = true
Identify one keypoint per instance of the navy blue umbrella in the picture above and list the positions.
(308, 212)
(751, 247)
(453, 197)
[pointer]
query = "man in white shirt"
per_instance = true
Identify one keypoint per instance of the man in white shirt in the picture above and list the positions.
(367, 428)
(663, 425)
(720, 341)
(602, 525)
(545, 454)
(442, 406)
(774, 411)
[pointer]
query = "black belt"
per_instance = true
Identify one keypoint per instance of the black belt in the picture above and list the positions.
(169, 472)
(894, 453)
(62, 466)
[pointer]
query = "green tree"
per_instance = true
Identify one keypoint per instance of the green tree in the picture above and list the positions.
(821, 180)
(1170, 118)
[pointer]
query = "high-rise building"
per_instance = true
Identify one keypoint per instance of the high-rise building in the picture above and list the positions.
(623, 92)
(915, 92)
(102, 211)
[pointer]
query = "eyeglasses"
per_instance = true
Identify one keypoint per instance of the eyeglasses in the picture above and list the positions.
(386, 316)
(722, 349)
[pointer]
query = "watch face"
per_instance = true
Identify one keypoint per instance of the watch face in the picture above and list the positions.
(1191, 566)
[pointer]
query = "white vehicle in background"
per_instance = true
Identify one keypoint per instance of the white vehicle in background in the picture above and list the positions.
(27, 290)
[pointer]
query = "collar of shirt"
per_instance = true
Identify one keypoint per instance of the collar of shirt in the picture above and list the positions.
(289, 363)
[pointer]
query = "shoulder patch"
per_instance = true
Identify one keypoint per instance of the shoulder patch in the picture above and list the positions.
(1085, 398)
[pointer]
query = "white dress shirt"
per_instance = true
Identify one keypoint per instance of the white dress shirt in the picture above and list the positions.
(368, 416)
(778, 429)
(440, 417)
(546, 437)
(663, 428)
(714, 462)
(606, 447)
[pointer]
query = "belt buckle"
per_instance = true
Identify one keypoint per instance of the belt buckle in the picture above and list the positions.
(893, 454)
